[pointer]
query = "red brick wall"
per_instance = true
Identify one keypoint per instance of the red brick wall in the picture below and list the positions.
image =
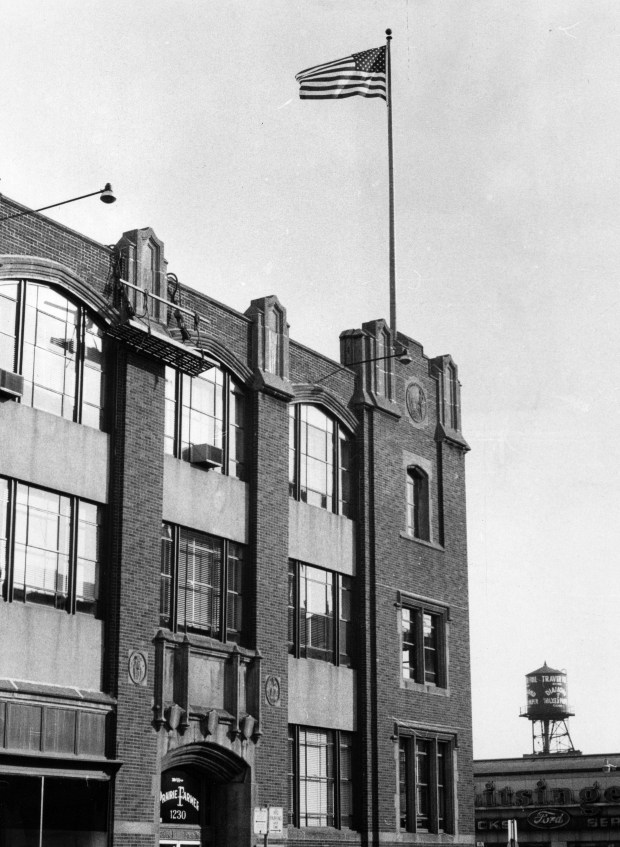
(133, 618)
(269, 534)
(35, 235)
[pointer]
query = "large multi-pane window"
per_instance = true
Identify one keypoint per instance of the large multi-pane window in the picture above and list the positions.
(319, 614)
(423, 645)
(206, 409)
(54, 344)
(49, 548)
(320, 777)
(425, 784)
(319, 460)
(418, 511)
(201, 583)
(53, 810)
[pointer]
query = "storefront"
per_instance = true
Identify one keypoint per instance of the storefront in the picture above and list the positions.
(55, 779)
(52, 810)
(567, 800)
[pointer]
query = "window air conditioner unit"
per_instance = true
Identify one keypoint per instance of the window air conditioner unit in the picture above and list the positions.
(206, 455)
(11, 385)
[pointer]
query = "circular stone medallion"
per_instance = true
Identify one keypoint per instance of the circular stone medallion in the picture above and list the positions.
(137, 667)
(272, 690)
(416, 402)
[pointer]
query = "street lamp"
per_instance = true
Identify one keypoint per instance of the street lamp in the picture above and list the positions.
(402, 354)
(106, 195)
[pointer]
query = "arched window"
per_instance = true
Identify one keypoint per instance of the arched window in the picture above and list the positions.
(273, 340)
(418, 512)
(451, 397)
(383, 364)
(319, 460)
(206, 411)
(56, 347)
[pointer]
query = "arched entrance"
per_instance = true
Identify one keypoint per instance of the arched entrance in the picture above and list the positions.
(205, 798)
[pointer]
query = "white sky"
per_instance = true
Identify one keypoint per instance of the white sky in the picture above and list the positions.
(507, 182)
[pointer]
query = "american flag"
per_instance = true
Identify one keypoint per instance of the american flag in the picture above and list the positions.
(361, 74)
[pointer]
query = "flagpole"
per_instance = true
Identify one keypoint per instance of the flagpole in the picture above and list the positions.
(388, 69)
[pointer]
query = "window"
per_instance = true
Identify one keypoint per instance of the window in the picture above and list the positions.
(54, 344)
(418, 523)
(423, 645)
(140, 256)
(273, 340)
(53, 810)
(201, 583)
(185, 799)
(383, 364)
(320, 777)
(319, 460)
(319, 614)
(206, 409)
(49, 548)
(425, 783)
(50, 729)
(451, 397)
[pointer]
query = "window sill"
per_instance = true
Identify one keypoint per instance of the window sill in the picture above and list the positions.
(425, 838)
(424, 688)
(322, 509)
(430, 544)
(204, 643)
(319, 834)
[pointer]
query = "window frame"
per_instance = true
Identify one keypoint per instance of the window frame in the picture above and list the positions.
(384, 364)
(440, 782)
(69, 601)
(451, 396)
(338, 740)
(339, 436)
(418, 503)
(295, 646)
(171, 620)
(229, 385)
(420, 676)
(80, 368)
(35, 798)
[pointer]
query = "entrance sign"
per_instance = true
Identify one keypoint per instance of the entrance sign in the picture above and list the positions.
(179, 798)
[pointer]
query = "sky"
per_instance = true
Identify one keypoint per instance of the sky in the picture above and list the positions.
(507, 196)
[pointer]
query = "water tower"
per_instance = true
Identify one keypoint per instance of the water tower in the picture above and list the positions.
(548, 710)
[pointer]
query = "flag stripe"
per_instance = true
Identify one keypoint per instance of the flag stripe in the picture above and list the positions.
(347, 62)
(339, 96)
(338, 81)
(326, 89)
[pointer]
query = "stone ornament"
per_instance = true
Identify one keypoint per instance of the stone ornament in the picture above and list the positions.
(272, 690)
(417, 405)
(137, 667)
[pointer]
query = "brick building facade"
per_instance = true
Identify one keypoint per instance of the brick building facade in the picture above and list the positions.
(233, 573)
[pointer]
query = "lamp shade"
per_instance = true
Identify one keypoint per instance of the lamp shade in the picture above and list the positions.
(107, 195)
